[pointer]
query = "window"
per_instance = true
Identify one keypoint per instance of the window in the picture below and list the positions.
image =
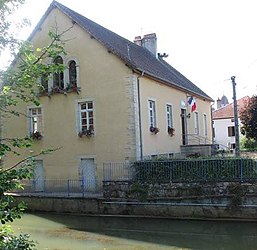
(231, 131)
(36, 121)
(58, 78)
(152, 113)
(205, 125)
(86, 117)
(196, 120)
(169, 116)
(73, 73)
(44, 82)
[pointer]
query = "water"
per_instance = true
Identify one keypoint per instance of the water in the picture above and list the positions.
(72, 232)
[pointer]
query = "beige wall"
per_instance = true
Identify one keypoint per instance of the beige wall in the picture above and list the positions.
(163, 143)
(105, 80)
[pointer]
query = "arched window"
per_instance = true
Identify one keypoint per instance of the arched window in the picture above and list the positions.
(58, 79)
(44, 82)
(73, 73)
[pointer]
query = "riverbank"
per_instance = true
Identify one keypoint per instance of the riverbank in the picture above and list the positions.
(200, 208)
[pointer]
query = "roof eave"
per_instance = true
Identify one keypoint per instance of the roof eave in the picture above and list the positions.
(161, 80)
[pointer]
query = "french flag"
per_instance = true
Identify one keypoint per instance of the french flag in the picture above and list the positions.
(192, 103)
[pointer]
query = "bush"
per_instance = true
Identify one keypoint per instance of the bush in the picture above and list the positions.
(9, 241)
(249, 144)
(195, 170)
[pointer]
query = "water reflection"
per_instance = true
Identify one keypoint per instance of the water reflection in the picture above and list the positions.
(55, 231)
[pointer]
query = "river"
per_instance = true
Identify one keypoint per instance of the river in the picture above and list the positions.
(74, 232)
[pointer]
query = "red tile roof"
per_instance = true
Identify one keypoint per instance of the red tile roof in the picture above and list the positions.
(228, 110)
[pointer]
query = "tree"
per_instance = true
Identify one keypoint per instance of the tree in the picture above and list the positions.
(248, 117)
(20, 84)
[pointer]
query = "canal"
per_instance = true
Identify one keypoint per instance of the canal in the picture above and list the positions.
(74, 232)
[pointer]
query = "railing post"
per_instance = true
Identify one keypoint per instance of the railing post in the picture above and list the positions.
(241, 170)
(83, 187)
(204, 170)
(110, 173)
(170, 167)
(44, 187)
(68, 187)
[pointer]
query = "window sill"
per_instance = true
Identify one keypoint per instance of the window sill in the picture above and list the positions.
(37, 136)
(60, 91)
(88, 134)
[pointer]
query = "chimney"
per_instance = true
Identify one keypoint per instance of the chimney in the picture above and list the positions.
(148, 41)
(138, 40)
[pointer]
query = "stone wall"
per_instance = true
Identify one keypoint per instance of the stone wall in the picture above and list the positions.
(199, 209)
(200, 150)
(222, 200)
(127, 190)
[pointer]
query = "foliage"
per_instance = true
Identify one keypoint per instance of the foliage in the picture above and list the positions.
(7, 37)
(237, 192)
(20, 85)
(139, 191)
(248, 117)
(195, 170)
(248, 143)
(9, 241)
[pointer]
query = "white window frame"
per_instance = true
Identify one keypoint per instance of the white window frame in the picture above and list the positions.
(196, 122)
(31, 129)
(78, 109)
(152, 113)
(169, 115)
(67, 75)
(205, 125)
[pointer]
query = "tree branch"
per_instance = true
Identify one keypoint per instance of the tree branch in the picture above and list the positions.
(56, 38)
(25, 159)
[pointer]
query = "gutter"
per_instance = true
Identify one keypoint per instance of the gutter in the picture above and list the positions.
(171, 84)
(139, 115)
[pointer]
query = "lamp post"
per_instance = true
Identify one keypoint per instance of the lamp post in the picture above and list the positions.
(237, 147)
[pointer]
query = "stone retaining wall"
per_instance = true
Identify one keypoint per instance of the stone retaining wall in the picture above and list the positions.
(144, 191)
(200, 209)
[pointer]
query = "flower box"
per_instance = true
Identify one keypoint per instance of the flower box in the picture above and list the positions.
(36, 135)
(88, 133)
(171, 131)
(154, 130)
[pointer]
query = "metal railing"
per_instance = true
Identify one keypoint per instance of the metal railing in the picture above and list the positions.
(118, 171)
(193, 170)
(73, 188)
(197, 139)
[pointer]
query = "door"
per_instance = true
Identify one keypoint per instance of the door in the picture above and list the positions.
(87, 170)
(39, 176)
(183, 116)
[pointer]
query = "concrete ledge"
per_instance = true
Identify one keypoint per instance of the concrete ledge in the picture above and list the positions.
(99, 206)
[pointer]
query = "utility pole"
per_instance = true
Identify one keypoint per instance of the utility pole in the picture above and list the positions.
(237, 148)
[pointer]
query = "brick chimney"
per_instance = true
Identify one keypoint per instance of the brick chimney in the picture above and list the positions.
(148, 41)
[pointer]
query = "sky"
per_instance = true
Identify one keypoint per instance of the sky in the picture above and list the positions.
(208, 41)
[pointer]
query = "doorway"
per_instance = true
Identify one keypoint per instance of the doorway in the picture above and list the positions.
(88, 171)
(39, 176)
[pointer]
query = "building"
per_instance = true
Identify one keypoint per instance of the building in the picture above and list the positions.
(224, 125)
(222, 102)
(116, 101)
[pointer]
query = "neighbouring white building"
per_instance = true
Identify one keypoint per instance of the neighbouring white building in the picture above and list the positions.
(224, 125)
